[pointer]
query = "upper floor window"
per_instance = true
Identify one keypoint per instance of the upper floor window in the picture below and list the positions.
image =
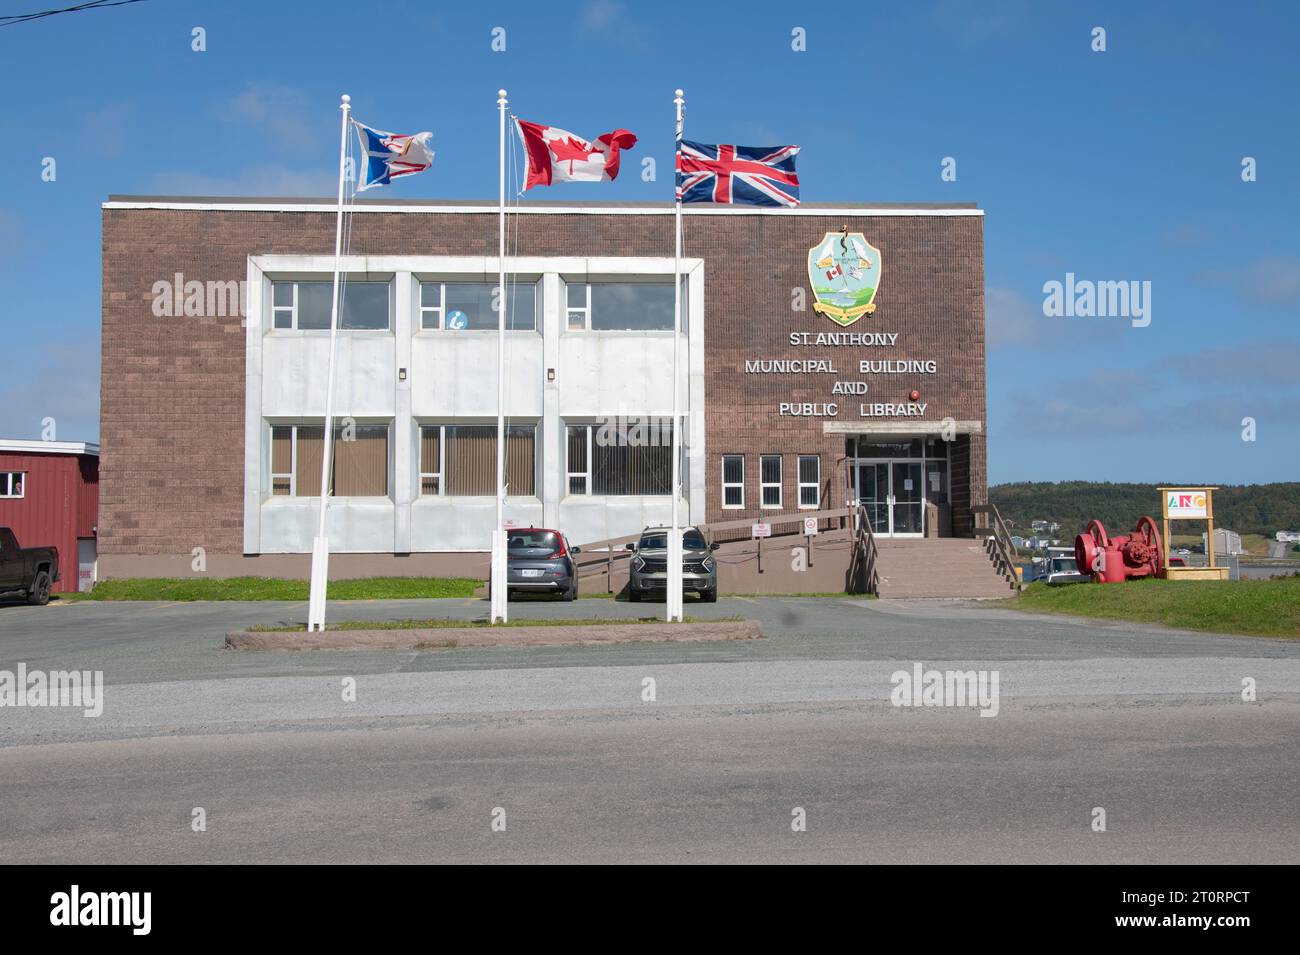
(470, 305)
(358, 460)
(11, 483)
(620, 306)
(307, 305)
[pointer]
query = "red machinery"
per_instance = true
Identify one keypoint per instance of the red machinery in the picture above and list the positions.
(1112, 560)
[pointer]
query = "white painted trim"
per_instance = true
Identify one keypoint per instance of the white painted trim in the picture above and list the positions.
(20, 446)
(839, 212)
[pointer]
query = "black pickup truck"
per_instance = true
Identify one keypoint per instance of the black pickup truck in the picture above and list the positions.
(26, 571)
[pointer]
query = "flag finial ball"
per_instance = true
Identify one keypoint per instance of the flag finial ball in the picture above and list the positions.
(679, 93)
(501, 93)
(347, 98)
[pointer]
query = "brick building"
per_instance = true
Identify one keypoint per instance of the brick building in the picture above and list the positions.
(830, 354)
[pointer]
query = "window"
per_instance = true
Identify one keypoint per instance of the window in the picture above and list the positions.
(358, 460)
(620, 306)
(577, 460)
(468, 305)
(733, 480)
(629, 457)
(307, 305)
(810, 480)
(11, 483)
(461, 460)
(769, 476)
(577, 305)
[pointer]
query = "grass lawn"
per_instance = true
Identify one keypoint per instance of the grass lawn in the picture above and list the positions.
(268, 588)
(444, 623)
(1260, 608)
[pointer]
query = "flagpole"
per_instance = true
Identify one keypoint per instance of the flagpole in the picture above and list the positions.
(673, 598)
(497, 583)
(320, 545)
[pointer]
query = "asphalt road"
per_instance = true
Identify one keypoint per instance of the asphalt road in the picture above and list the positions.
(1147, 724)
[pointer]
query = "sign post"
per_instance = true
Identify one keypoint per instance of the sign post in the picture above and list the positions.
(1189, 504)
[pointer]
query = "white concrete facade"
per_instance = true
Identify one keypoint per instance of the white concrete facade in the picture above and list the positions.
(450, 379)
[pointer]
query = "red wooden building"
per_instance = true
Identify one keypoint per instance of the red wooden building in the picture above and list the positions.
(49, 496)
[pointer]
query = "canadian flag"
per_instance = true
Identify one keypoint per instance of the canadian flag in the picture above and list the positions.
(557, 155)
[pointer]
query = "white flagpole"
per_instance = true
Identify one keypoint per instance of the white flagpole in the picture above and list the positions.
(673, 597)
(497, 583)
(320, 553)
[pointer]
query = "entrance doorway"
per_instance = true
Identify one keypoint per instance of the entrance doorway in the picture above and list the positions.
(893, 495)
(901, 484)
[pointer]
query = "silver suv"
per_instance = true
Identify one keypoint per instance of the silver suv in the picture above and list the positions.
(648, 573)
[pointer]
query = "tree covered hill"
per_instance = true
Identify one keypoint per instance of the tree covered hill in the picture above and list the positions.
(1246, 509)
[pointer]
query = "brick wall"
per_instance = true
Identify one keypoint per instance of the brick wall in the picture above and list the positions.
(172, 391)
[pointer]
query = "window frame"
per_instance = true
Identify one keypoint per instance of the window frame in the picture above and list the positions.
(442, 427)
(587, 310)
(441, 307)
(327, 279)
(763, 485)
(584, 311)
(442, 461)
(8, 494)
(293, 459)
(803, 485)
(569, 473)
(730, 484)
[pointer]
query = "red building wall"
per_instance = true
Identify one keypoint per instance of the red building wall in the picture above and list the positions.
(59, 505)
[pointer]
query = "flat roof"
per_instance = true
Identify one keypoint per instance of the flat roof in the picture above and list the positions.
(535, 207)
(21, 446)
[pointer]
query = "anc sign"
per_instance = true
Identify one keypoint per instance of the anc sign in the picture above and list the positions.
(1187, 502)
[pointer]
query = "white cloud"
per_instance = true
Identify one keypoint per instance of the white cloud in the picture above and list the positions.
(278, 111)
(1272, 281)
(62, 383)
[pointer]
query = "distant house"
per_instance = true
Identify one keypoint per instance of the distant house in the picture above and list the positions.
(1288, 537)
(1044, 526)
(49, 497)
(1225, 542)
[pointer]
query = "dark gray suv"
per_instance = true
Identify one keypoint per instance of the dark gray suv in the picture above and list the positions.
(648, 573)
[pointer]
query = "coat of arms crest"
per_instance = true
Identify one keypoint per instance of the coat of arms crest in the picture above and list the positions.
(844, 269)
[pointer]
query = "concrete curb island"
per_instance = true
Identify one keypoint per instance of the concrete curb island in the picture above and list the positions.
(446, 638)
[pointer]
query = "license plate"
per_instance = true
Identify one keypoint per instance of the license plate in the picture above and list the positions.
(532, 573)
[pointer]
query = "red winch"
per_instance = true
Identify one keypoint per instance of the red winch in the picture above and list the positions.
(1112, 560)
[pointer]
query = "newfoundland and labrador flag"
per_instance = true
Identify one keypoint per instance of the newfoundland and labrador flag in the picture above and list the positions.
(749, 175)
(557, 155)
(386, 156)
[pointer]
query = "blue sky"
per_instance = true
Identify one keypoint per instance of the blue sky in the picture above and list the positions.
(1122, 165)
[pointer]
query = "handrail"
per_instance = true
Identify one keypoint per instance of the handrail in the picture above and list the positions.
(863, 564)
(611, 549)
(1001, 538)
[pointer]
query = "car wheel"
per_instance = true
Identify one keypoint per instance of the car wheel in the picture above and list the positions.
(572, 593)
(633, 595)
(709, 596)
(39, 595)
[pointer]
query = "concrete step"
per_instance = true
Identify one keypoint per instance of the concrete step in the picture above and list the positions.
(939, 567)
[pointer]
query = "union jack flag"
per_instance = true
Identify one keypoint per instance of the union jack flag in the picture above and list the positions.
(752, 175)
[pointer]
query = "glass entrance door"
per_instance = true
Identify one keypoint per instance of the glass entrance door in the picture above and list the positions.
(873, 494)
(908, 501)
(893, 496)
